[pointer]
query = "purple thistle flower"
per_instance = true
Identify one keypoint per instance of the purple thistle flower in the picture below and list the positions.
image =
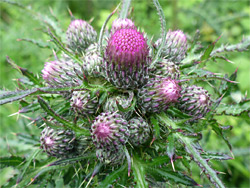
(127, 59)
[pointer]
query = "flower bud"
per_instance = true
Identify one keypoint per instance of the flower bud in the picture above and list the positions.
(195, 101)
(158, 94)
(80, 35)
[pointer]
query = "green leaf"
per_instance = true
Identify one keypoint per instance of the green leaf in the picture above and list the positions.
(177, 177)
(28, 139)
(233, 110)
(66, 123)
(208, 51)
(157, 161)
(110, 178)
(6, 174)
(170, 146)
(211, 174)
(156, 127)
(11, 161)
(219, 131)
(242, 46)
(34, 79)
(71, 160)
(27, 164)
(163, 31)
(130, 108)
(40, 44)
(139, 172)
(216, 156)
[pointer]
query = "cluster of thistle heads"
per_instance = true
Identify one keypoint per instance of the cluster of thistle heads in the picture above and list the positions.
(125, 61)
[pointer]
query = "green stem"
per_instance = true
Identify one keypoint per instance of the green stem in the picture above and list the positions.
(163, 30)
(125, 8)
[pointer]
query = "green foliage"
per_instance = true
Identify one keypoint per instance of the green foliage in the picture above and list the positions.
(24, 166)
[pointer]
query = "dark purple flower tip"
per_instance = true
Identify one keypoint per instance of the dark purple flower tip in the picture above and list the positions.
(169, 90)
(127, 47)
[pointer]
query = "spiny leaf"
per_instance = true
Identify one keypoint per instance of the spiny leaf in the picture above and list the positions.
(107, 182)
(130, 108)
(66, 123)
(11, 161)
(211, 174)
(30, 108)
(125, 8)
(208, 51)
(219, 131)
(163, 31)
(28, 139)
(233, 110)
(40, 44)
(156, 127)
(216, 156)
(171, 148)
(242, 46)
(157, 161)
(177, 177)
(11, 96)
(226, 87)
(71, 160)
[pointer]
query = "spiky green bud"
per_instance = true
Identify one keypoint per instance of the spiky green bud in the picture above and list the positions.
(166, 69)
(175, 46)
(57, 142)
(83, 104)
(158, 94)
(195, 101)
(139, 131)
(109, 130)
(80, 35)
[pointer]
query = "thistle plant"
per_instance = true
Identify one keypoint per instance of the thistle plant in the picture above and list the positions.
(122, 117)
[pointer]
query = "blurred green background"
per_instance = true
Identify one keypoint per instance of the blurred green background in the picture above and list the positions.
(211, 17)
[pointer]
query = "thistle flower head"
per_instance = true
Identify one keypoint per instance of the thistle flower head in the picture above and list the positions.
(109, 130)
(126, 59)
(58, 143)
(122, 24)
(80, 35)
(127, 47)
(195, 101)
(83, 104)
(62, 73)
(158, 94)
(175, 46)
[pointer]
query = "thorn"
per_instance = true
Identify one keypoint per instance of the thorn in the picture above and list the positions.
(152, 141)
(172, 162)
(13, 114)
(232, 154)
(199, 185)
